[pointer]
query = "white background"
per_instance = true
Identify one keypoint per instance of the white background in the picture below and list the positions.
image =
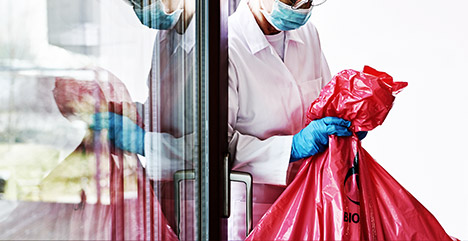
(423, 142)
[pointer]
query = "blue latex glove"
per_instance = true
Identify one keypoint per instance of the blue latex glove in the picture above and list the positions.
(313, 138)
(361, 134)
(123, 132)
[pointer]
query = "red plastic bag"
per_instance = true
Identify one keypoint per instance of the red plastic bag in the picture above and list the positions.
(104, 93)
(126, 218)
(342, 193)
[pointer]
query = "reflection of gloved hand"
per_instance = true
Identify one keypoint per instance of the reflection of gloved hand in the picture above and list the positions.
(314, 137)
(123, 132)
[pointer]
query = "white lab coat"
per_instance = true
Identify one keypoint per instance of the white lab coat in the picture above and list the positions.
(170, 114)
(268, 100)
(171, 109)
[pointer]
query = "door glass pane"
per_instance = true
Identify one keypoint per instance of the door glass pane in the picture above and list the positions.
(98, 114)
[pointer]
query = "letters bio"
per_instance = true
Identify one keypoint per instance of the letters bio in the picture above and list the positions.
(351, 217)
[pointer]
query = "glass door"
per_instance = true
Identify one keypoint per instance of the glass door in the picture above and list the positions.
(112, 119)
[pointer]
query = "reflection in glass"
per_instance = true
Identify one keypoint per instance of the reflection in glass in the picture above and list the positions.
(80, 158)
(171, 108)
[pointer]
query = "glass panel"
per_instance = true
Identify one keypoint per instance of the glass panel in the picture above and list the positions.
(98, 113)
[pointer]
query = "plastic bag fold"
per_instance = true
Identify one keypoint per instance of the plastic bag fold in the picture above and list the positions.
(343, 193)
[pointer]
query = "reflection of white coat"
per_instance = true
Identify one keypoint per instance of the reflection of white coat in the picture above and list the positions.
(170, 117)
(268, 99)
(170, 111)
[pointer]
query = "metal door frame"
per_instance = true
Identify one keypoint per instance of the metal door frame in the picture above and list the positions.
(212, 73)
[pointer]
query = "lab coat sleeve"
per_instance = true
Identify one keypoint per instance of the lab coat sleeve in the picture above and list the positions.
(267, 160)
(166, 154)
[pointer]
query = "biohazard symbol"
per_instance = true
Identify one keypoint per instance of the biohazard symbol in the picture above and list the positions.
(353, 173)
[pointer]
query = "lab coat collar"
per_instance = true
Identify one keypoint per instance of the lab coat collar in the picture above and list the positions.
(185, 40)
(256, 39)
(189, 36)
(254, 36)
(293, 35)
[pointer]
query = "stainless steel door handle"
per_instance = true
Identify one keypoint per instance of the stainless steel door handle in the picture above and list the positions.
(233, 176)
(246, 178)
(180, 176)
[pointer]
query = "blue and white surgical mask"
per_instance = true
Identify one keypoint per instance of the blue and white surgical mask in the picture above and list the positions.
(154, 16)
(284, 18)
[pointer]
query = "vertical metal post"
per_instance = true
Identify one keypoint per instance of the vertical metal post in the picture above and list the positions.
(212, 62)
(227, 188)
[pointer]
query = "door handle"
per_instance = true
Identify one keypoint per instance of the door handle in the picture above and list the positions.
(180, 176)
(246, 178)
(233, 176)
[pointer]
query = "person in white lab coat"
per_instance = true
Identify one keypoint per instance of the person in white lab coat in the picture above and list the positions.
(276, 70)
(168, 138)
(170, 110)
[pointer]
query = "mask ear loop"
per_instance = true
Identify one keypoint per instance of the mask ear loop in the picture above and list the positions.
(266, 14)
(264, 11)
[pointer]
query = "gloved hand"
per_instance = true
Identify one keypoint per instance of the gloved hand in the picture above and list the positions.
(313, 138)
(123, 132)
(361, 135)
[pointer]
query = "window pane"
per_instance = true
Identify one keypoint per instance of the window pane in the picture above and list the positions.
(98, 112)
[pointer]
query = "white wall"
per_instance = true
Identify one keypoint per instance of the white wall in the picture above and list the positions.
(423, 143)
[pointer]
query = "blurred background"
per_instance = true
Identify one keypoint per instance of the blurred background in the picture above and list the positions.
(44, 39)
(51, 163)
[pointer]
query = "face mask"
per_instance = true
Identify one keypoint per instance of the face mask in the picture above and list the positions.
(155, 17)
(284, 18)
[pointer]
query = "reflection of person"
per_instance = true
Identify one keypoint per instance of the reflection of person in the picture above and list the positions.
(170, 111)
(79, 100)
(110, 99)
(276, 70)
(102, 103)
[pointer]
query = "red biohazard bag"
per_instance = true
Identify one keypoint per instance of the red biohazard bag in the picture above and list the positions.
(342, 193)
(125, 218)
